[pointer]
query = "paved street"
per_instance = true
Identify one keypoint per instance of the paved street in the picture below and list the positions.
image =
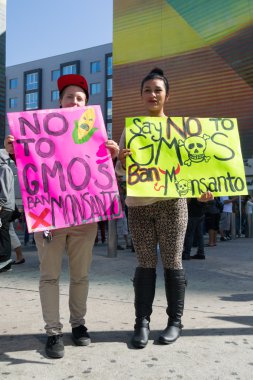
(216, 343)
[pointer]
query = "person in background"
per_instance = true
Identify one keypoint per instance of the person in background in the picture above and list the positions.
(154, 221)
(27, 235)
(101, 228)
(237, 214)
(244, 199)
(226, 217)
(78, 241)
(122, 232)
(16, 246)
(7, 207)
(248, 215)
(122, 223)
(212, 220)
(195, 225)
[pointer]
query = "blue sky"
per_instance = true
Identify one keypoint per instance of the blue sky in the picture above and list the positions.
(38, 29)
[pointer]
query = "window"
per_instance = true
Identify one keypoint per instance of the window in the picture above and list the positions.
(71, 69)
(95, 88)
(32, 89)
(55, 75)
(13, 83)
(54, 95)
(109, 65)
(13, 102)
(32, 81)
(31, 101)
(109, 130)
(109, 88)
(109, 109)
(95, 67)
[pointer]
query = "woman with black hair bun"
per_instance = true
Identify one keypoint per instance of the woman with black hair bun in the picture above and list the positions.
(154, 221)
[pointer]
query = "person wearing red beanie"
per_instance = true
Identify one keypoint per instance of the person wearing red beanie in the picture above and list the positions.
(77, 241)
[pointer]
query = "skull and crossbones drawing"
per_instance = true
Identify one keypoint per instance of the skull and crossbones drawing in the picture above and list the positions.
(182, 187)
(195, 147)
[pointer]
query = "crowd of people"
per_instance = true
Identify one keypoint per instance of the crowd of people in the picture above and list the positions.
(214, 218)
(173, 225)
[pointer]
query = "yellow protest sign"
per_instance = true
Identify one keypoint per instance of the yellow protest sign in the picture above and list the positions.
(184, 157)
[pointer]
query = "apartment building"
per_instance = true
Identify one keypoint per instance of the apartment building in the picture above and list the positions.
(33, 85)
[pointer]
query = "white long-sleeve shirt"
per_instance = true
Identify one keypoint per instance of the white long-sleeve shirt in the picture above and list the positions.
(249, 207)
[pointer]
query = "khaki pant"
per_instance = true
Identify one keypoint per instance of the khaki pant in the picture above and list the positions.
(78, 243)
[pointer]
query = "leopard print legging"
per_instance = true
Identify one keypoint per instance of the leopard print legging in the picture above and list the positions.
(162, 222)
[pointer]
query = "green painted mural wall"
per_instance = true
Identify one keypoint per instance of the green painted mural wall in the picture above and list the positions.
(205, 50)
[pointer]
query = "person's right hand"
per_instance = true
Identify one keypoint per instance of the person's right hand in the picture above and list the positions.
(8, 144)
(122, 156)
(206, 197)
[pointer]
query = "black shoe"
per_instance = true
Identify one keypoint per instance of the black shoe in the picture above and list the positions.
(141, 333)
(223, 239)
(120, 248)
(80, 336)
(171, 333)
(55, 346)
(186, 257)
(198, 256)
(5, 265)
(22, 261)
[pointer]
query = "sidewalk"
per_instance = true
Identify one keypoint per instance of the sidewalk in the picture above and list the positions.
(216, 343)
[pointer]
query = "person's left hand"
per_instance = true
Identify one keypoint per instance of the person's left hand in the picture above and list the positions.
(205, 197)
(113, 148)
(8, 144)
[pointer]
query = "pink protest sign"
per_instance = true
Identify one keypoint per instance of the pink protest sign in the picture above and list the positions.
(66, 174)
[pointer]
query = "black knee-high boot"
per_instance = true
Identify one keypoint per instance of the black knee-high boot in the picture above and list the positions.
(175, 284)
(144, 288)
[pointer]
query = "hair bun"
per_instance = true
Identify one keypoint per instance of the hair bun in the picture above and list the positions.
(157, 71)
